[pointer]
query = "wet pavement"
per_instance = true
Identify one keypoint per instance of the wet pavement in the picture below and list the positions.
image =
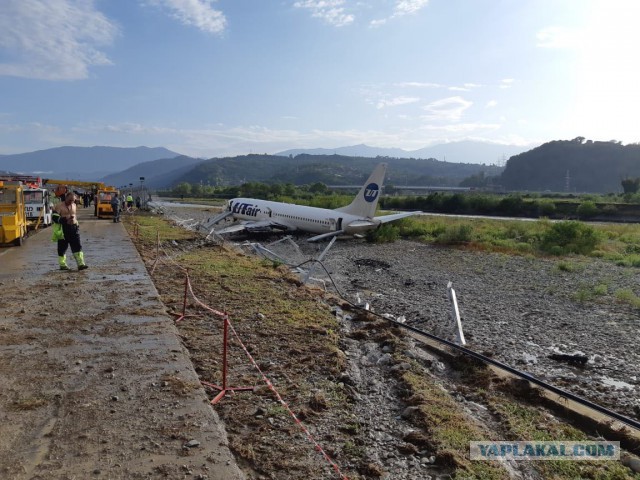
(95, 382)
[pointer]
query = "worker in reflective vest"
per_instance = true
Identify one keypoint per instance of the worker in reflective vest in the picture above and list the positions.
(64, 213)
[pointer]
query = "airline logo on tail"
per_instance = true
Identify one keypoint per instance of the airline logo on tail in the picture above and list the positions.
(371, 192)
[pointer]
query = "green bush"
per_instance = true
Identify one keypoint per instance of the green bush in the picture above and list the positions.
(455, 234)
(587, 209)
(411, 228)
(511, 205)
(627, 296)
(569, 237)
(566, 267)
(387, 233)
(546, 208)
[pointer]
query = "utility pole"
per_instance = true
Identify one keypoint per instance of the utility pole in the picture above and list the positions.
(143, 197)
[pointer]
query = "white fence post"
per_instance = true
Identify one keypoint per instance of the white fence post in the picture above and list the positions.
(455, 314)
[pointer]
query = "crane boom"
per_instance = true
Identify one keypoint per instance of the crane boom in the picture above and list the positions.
(74, 183)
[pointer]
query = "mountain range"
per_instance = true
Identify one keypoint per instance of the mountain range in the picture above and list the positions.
(90, 163)
(445, 164)
(80, 163)
(457, 152)
(577, 165)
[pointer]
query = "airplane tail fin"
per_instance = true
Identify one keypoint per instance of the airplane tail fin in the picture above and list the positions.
(366, 202)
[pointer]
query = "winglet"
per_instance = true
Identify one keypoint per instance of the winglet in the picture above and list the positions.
(366, 202)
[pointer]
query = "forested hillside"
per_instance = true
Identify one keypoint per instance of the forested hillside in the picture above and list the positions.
(573, 165)
(330, 170)
(157, 173)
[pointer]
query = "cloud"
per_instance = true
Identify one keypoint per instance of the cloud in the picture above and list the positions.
(418, 84)
(467, 87)
(331, 11)
(394, 102)
(491, 104)
(53, 39)
(217, 140)
(408, 7)
(461, 127)
(401, 8)
(558, 37)
(196, 13)
(506, 82)
(450, 109)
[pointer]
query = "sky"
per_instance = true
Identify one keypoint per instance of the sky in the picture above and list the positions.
(211, 78)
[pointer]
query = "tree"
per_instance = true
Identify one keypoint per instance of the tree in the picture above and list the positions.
(477, 180)
(630, 185)
(318, 187)
(182, 188)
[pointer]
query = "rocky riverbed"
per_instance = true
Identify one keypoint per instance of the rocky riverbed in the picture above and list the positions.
(539, 315)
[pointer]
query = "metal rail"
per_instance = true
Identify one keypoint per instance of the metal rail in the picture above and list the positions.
(524, 375)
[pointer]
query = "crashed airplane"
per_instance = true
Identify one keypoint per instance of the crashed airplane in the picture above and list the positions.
(357, 218)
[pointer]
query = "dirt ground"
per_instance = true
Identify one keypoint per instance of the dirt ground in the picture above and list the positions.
(94, 380)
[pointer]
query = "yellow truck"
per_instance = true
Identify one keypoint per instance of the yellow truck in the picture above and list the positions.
(103, 202)
(13, 228)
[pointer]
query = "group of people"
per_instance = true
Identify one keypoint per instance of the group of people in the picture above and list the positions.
(118, 205)
(86, 198)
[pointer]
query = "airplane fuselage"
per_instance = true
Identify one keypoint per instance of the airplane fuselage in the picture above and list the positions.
(298, 217)
(254, 215)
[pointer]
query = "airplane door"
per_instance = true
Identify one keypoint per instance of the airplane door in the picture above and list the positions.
(339, 225)
(332, 224)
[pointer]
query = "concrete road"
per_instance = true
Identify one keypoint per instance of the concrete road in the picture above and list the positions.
(94, 380)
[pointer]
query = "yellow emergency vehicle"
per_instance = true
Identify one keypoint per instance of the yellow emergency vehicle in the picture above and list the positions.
(13, 226)
(103, 202)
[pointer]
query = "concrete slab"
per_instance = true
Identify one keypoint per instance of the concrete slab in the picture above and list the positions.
(95, 382)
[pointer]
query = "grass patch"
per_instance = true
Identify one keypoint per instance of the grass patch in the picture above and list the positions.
(28, 403)
(627, 296)
(450, 430)
(566, 266)
(153, 227)
(525, 422)
(618, 243)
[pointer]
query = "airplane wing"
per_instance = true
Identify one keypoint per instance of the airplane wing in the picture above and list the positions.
(233, 228)
(324, 236)
(395, 216)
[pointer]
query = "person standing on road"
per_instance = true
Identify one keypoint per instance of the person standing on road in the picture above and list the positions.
(115, 206)
(64, 213)
(129, 202)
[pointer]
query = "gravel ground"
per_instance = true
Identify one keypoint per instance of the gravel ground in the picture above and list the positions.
(521, 310)
(524, 311)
